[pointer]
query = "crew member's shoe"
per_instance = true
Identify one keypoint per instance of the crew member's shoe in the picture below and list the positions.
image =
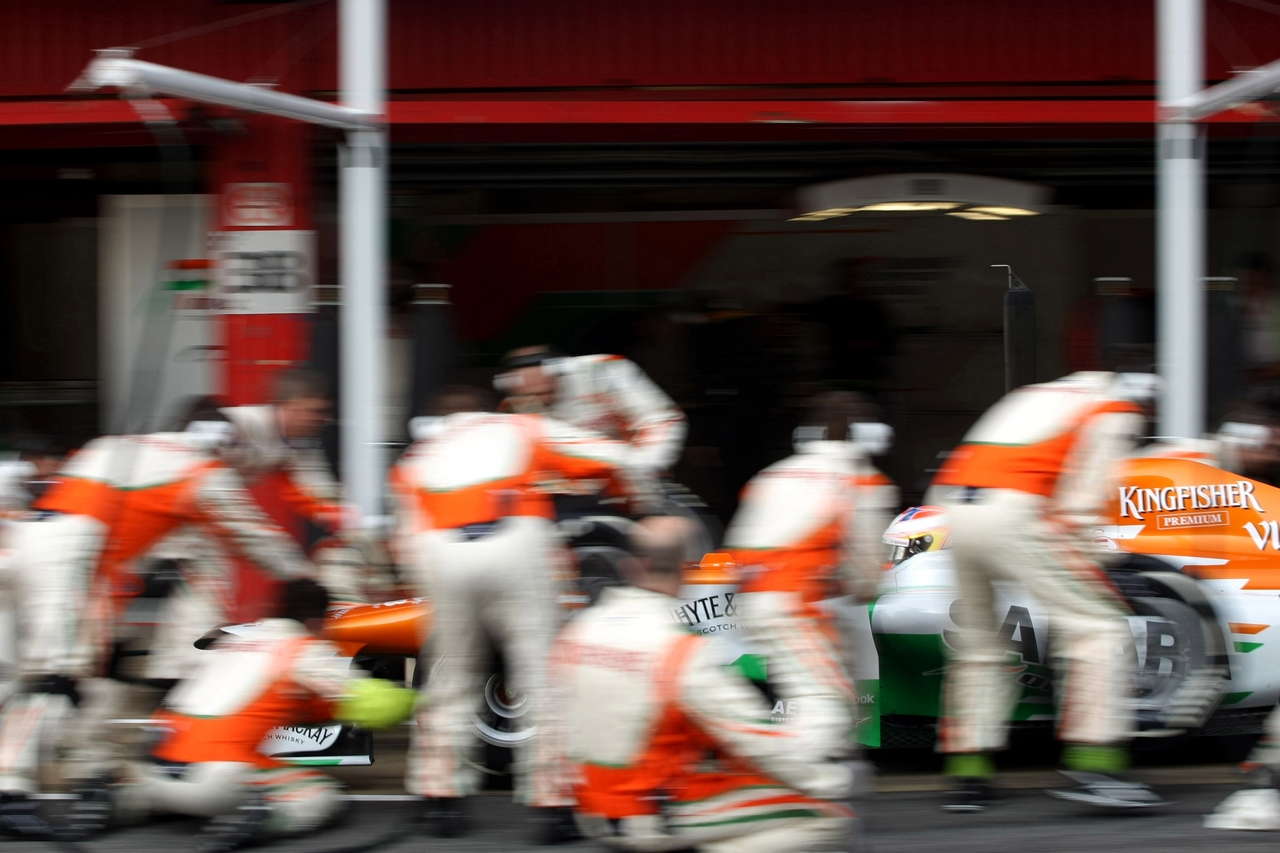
(969, 795)
(92, 811)
(248, 826)
(1252, 808)
(1099, 789)
(555, 826)
(20, 817)
(444, 817)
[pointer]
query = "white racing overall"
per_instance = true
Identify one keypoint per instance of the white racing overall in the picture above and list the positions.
(242, 687)
(1021, 492)
(806, 531)
(478, 538)
(113, 502)
(667, 749)
(611, 395)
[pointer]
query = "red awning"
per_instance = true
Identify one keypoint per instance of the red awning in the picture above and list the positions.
(75, 111)
(700, 112)
(941, 112)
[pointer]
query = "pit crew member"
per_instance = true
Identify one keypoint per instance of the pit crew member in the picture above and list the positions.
(277, 451)
(669, 750)
(605, 393)
(1021, 492)
(799, 538)
(74, 560)
(282, 674)
(479, 539)
(26, 478)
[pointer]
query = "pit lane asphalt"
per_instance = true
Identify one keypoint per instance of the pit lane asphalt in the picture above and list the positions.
(1027, 821)
(903, 815)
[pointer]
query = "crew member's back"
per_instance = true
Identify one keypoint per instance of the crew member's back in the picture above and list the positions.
(669, 749)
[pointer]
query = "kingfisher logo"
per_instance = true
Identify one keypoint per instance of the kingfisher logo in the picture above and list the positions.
(1137, 503)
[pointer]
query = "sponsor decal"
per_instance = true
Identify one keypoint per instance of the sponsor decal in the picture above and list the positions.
(1198, 519)
(1161, 647)
(1137, 502)
(1264, 533)
(606, 657)
(784, 712)
(298, 739)
(866, 717)
(319, 734)
(716, 629)
(258, 205)
(705, 609)
(789, 710)
(1017, 634)
(263, 272)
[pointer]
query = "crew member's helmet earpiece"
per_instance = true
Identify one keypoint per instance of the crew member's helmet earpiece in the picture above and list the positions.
(529, 359)
(425, 426)
(505, 382)
(874, 438)
(1249, 436)
(1141, 388)
(805, 434)
(209, 435)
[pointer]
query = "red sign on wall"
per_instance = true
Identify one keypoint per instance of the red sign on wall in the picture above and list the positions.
(257, 205)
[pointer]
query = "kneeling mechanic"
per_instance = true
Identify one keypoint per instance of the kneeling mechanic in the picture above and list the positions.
(285, 674)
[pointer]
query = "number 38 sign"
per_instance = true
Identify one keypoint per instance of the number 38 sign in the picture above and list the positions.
(264, 272)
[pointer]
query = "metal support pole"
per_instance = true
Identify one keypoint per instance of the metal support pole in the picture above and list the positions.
(362, 194)
(116, 67)
(1248, 85)
(1180, 222)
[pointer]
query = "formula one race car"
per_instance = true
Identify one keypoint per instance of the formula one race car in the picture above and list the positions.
(1197, 559)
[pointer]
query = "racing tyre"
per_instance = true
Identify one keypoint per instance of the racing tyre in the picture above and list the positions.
(501, 724)
(1176, 683)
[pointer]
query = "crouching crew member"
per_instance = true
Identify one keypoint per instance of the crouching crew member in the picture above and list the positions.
(282, 674)
(665, 748)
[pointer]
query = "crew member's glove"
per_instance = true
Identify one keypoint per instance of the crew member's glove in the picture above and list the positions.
(375, 703)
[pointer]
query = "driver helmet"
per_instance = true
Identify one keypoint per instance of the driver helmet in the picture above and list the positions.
(919, 529)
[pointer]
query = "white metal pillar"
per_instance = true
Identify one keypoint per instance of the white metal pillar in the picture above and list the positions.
(362, 191)
(1180, 221)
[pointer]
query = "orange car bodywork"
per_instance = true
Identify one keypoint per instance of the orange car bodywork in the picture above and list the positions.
(401, 627)
(1223, 525)
(389, 628)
